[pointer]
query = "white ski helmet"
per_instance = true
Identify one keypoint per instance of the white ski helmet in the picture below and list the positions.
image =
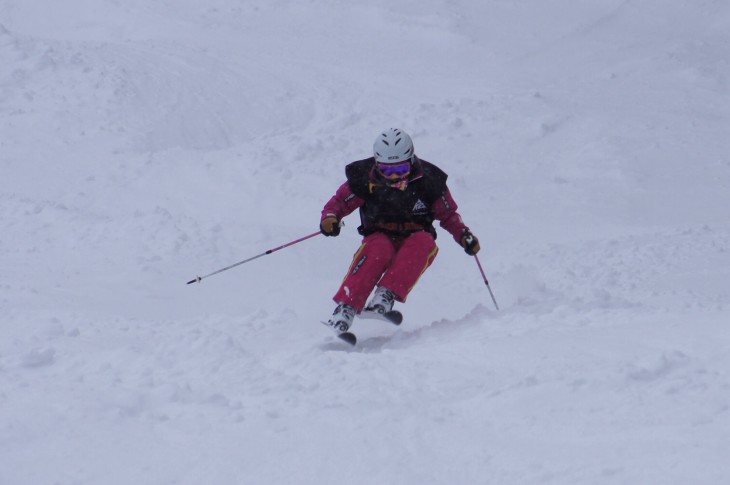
(393, 146)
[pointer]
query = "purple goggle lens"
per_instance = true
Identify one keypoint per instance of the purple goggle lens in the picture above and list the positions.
(395, 169)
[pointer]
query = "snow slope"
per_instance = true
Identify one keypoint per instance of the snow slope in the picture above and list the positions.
(143, 143)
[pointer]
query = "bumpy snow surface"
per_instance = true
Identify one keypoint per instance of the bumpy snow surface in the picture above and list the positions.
(144, 142)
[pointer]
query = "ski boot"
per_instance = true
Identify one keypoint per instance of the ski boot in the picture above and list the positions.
(341, 321)
(381, 307)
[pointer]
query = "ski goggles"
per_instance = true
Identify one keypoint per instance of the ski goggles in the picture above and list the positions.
(394, 170)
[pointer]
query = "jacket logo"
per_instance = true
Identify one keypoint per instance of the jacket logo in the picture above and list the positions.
(419, 207)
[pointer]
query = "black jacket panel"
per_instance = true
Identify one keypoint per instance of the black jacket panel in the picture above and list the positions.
(390, 209)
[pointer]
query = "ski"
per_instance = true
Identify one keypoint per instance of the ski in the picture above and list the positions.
(342, 333)
(348, 337)
(394, 316)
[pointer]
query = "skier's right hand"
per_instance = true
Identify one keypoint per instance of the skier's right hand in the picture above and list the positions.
(330, 225)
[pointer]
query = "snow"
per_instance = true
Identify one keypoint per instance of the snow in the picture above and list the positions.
(143, 143)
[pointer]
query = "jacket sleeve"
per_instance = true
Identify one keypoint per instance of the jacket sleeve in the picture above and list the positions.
(343, 203)
(444, 210)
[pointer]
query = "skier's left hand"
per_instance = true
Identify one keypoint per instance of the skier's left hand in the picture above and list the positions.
(470, 243)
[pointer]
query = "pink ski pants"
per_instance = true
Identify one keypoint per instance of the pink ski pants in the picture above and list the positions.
(393, 262)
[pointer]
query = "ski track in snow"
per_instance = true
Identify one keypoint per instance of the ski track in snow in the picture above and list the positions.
(145, 143)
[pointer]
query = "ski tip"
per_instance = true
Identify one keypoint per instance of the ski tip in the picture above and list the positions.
(395, 317)
(348, 337)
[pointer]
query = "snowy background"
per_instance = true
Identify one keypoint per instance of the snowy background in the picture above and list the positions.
(145, 142)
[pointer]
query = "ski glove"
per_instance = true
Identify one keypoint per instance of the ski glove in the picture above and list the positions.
(470, 243)
(330, 226)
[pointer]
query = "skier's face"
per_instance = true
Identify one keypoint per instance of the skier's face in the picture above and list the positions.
(395, 171)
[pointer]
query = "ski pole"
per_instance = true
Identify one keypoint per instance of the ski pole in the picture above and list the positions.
(486, 282)
(198, 279)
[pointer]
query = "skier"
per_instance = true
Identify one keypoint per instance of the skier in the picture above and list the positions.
(399, 196)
